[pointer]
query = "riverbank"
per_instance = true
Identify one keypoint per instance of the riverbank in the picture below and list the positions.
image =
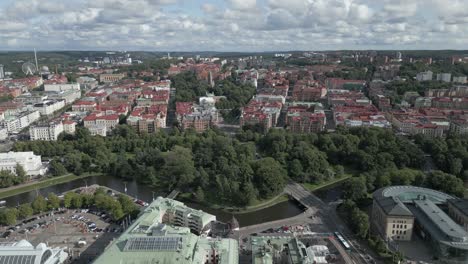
(256, 206)
(315, 187)
(46, 182)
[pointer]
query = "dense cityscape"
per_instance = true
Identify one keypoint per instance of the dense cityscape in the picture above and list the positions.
(233, 132)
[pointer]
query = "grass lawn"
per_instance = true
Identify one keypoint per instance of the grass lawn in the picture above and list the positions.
(46, 182)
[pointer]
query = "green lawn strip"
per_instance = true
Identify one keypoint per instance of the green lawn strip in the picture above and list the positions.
(257, 205)
(315, 187)
(43, 183)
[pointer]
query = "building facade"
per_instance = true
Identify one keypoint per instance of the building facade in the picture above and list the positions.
(444, 77)
(47, 132)
(49, 107)
(16, 123)
(458, 210)
(111, 77)
(61, 87)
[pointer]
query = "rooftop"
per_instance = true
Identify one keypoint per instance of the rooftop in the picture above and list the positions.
(147, 240)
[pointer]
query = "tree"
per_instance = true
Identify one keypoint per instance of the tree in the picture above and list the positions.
(200, 195)
(77, 201)
(115, 210)
(355, 189)
(7, 178)
(53, 202)
(56, 168)
(446, 183)
(8, 216)
(269, 177)
(25, 211)
(67, 199)
(179, 168)
(127, 205)
(20, 172)
(39, 204)
(360, 223)
(87, 199)
(249, 193)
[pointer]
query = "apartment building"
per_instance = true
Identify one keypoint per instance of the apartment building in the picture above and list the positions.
(47, 131)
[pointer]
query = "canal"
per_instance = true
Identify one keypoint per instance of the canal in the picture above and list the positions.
(145, 193)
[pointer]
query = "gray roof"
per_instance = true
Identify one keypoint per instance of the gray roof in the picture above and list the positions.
(390, 205)
(460, 204)
(392, 199)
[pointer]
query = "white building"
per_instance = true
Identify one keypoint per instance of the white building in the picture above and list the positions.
(69, 96)
(444, 77)
(2, 72)
(24, 252)
(31, 163)
(3, 133)
(69, 126)
(61, 87)
(424, 76)
(49, 107)
(48, 132)
(87, 83)
(15, 124)
(97, 130)
(459, 79)
(109, 121)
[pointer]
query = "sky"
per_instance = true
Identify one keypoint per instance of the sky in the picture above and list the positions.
(233, 25)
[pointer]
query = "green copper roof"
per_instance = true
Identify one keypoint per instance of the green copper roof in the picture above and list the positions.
(149, 241)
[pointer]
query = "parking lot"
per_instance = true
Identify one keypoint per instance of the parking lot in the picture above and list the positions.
(76, 230)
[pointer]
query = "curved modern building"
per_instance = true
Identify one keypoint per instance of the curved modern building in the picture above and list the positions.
(400, 211)
(23, 252)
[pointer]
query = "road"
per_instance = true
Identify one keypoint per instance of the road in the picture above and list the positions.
(304, 218)
(328, 214)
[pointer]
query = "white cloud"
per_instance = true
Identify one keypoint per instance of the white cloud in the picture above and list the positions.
(233, 24)
(243, 4)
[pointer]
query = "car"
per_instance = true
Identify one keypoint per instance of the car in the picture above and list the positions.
(81, 218)
(98, 230)
(6, 234)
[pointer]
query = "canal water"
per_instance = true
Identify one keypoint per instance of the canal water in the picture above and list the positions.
(145, 193)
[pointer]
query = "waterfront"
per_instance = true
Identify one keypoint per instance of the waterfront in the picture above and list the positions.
(145, 193)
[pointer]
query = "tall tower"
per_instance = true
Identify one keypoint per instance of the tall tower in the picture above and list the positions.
(210, 79)
(35, 58)
(2, 72)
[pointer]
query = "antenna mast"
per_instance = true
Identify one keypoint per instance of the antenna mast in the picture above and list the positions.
(35, 57)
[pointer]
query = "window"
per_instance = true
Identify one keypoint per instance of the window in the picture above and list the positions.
(393, 225)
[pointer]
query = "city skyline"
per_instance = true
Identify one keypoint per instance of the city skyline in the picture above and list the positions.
(232, 25)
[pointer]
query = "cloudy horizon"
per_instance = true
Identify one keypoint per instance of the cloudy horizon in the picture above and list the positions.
(233, 25)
